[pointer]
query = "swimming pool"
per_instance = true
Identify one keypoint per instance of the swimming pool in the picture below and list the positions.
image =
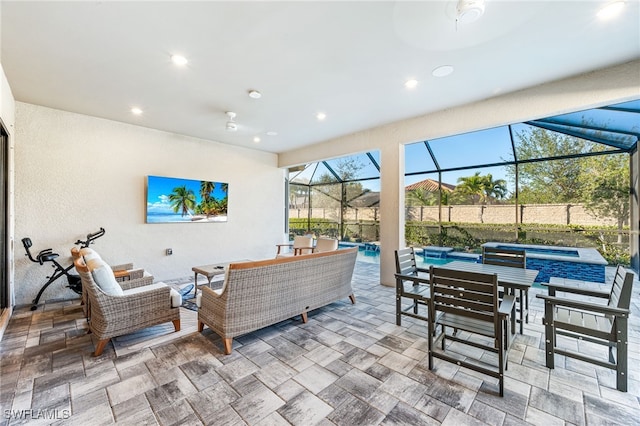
(577, 263)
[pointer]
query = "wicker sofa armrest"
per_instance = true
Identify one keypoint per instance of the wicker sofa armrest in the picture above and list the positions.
(122, 267)
(136, 273)
(129, 274)
(137, 282)
(212, 306)
(139, 303)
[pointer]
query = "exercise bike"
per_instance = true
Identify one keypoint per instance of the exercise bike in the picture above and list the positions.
(47, 255)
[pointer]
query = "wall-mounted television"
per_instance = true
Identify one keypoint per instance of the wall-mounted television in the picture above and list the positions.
(176, 200)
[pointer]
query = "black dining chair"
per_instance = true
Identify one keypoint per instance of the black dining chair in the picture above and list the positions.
(514, 258)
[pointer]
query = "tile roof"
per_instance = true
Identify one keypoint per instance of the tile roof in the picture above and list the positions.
(430, 185)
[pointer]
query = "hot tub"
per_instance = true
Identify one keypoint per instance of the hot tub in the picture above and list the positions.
(577, 263)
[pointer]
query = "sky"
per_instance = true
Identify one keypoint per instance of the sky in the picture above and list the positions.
(159, 188)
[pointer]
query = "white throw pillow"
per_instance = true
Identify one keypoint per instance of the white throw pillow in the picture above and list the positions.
(104, 278)
(176, 298)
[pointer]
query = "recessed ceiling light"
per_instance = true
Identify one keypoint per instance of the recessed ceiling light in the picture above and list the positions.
(256, 139)
(179, 60)
(411, 84)
(442, 71)
(272, 133)
(611, 10)
(254, 94)
(136, 111)
(321, 116)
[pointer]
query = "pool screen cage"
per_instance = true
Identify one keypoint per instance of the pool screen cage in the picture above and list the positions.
(340, 197)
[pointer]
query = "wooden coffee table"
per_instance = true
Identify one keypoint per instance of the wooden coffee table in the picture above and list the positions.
(210, 271)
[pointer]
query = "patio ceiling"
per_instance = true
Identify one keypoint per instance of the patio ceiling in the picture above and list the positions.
(347, 59)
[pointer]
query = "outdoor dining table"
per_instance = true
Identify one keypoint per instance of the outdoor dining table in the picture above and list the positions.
(511, 279)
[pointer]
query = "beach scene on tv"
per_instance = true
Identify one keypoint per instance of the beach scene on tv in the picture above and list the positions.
(171, 200)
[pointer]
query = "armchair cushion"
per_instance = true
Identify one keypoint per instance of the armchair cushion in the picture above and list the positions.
(103, 277)
(176, 297)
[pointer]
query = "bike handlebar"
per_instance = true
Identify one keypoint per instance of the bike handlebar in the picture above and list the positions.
(26, 242)
(91, 238)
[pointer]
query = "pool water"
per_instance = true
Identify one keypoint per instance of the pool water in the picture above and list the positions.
(428, 261)
(369, 256)
(549, 251)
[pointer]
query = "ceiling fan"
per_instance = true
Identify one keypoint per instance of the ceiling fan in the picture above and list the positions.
(232, 126)
(468, 11)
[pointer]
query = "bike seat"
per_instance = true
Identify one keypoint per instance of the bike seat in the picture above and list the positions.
(47, 257)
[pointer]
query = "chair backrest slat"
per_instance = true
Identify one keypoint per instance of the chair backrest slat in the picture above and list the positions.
(454, 292)
(467, 313)
(406, 262)
(515, 258)
(469, 294)
(620, 296)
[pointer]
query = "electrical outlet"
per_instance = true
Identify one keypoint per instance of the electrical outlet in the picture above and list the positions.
(169, 252)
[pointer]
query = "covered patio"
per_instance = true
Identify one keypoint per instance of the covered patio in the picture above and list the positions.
(349, 365)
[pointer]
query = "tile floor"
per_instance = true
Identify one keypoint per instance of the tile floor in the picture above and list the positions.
(349, 365)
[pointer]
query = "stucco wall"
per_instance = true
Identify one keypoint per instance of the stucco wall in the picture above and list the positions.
(78, 173)
(548, 214)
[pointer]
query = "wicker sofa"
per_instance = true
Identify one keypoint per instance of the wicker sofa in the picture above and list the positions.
(258, 294)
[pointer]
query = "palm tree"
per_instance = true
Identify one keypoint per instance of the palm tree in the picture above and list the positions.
(206, 188)
(183, 200)
(495, 188)
(473, 186)
(482, 188)
(424, 197)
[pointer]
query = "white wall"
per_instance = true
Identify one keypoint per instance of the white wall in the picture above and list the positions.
(77, 173)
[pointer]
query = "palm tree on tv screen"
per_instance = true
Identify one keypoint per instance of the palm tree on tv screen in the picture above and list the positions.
(183, 200)
(206, 188)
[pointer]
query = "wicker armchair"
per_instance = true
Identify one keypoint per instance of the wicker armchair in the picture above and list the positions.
(137, 308)
(125, 273)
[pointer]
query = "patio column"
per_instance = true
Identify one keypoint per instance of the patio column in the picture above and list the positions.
(391, 209)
